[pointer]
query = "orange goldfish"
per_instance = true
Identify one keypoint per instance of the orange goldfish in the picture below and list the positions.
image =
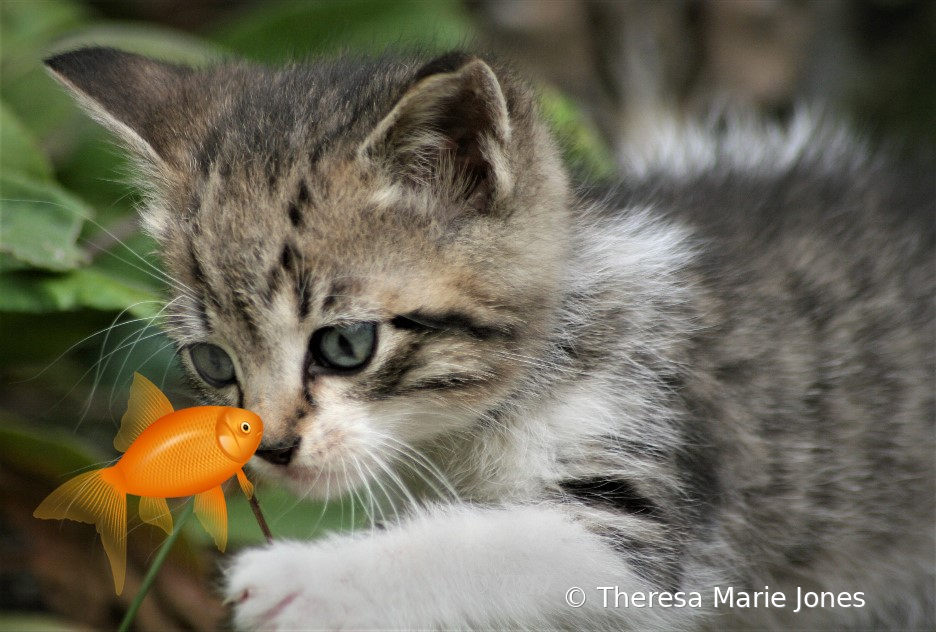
(167, 454)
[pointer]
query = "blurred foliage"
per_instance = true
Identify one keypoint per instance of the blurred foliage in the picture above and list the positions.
(80, 288)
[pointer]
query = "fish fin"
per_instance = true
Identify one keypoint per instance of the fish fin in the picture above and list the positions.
(211, 509)
(156, 512)
(94, 498)
(147, 404)
(245, 485)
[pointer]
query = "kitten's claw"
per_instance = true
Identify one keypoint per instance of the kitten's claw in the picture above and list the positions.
(233, 599)
(268, 589)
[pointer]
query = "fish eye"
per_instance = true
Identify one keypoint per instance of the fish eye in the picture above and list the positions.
(213, 364)
(345, 348)
(245, 427)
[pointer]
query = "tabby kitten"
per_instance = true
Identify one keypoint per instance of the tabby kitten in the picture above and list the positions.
(716, 379)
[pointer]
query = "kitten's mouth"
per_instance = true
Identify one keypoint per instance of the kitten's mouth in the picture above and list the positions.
(278, 455)
(319, 480)
(328, 458)
(323, 483)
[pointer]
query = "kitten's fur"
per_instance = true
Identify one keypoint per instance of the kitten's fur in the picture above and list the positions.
(719, 374)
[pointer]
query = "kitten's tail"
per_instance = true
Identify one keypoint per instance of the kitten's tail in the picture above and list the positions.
(95, 497)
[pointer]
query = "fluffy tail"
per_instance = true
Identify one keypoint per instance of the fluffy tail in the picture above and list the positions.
(93, 497)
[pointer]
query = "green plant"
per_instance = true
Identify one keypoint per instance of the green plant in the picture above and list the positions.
(80, 288)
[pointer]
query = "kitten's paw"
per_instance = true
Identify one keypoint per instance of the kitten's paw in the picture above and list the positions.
(290, 586)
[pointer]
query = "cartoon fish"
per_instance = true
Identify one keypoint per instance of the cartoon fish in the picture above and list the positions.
(167, 454)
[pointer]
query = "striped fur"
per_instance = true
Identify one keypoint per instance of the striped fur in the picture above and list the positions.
(718, 374)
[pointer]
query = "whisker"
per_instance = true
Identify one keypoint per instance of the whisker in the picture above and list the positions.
(106, 359)
(377, 481)
(104, 331)
(358, 493)
(155, 272)
(103, 358)
(140, 339)
(394, 478)
(150, 323)
(345, 476)
(420, 466)
(160, 276)
(388, 496)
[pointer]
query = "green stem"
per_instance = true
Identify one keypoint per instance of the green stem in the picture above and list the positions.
(155, 566)
(255, 505)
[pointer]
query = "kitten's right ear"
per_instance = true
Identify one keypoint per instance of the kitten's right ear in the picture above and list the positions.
(129, 94)
(451, 127)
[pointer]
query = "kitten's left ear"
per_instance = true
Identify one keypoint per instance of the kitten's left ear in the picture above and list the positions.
(141, 100)
(451, 128)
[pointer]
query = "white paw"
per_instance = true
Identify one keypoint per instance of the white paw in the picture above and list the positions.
(294, 586)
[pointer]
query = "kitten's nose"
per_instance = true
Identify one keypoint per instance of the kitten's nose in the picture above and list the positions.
(278, 455)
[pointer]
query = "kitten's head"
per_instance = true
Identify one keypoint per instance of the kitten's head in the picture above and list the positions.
(365, 252)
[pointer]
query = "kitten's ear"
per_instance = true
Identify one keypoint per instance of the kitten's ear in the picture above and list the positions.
(451, 127)
(129, 94)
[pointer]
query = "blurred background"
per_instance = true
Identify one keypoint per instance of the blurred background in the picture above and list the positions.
(80, 288)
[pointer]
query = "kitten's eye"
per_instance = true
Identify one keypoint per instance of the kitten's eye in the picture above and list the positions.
(213, 364)
(344, 348)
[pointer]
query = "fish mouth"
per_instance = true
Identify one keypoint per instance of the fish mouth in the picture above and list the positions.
(238, 433)
(234, 444)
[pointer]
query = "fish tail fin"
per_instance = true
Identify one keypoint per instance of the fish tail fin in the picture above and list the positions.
(93, 497)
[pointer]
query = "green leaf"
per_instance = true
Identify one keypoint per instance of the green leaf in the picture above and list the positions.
(49, 454)
(8, 263)
(26, 30)
(19, 152)
(40, 222)
(39, 292)
(583, 146)
(276, 31)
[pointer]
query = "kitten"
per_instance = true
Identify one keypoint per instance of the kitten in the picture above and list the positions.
(718, 375)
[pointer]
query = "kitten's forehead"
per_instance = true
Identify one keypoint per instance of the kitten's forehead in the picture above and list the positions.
(317, 241)
(319, 216)
(275, 118)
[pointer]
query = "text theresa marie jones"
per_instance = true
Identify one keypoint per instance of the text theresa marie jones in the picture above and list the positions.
(613, 597)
